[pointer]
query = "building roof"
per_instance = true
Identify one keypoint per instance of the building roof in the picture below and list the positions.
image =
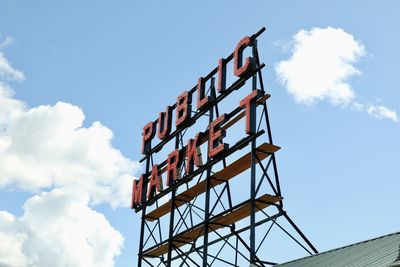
(381, 251)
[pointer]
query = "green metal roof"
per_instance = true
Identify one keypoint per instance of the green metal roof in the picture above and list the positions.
(381, 251)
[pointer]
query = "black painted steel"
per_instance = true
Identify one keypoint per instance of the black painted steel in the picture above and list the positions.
(243, 241)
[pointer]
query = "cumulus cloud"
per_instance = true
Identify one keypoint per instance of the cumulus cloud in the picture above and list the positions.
(58, 228)
(320, 65)
(11, 253)
(9, 106)
(47, 146)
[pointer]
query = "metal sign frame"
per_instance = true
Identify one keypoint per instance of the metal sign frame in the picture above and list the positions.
(190, 246)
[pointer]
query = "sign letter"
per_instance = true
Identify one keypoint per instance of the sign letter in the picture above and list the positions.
(239, 69)
(173, 167)
(202, 99)
(137, 192)
(155, 183)
(193, 154)
(164, 123)
(221, 75)
(249, 103)
(215, 144)
(148, 133)
(183, 108)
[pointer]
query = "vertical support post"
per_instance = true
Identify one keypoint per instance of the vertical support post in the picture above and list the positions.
(278, 186)
(143, 219)
(253, 119)
(172, 215)
(208, 184)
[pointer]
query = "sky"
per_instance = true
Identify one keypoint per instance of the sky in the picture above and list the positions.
(80, 79)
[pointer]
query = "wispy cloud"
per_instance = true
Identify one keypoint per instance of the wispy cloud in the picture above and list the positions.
(8, 72)
(377, 111)
(7, 41)
(383, 113)
(320, 66)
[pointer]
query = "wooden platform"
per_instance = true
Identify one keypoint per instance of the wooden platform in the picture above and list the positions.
(237, 167)
(216, 223)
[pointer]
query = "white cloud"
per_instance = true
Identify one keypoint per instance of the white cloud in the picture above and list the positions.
(58, 229)
(47, 146)
(9, 107)
(7, 72)
(377, 111)
(358, 106)
(7, 41)
(320, 66)
(383, 113)
(11, 254)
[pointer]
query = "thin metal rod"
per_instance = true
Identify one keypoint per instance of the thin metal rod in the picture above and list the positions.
(151, 235)
(216, 258)
(219, 251)
(184, 259)
(300, 233)
(286, 232)
(149, 263)
(265, 236)
(266, 175)
(172, 216)
(207, 197)
(256, 259)
(143, 222)
(219, 196)
(236, 250)
(280, 213)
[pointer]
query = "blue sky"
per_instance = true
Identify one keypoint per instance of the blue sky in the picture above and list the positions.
(120, 63)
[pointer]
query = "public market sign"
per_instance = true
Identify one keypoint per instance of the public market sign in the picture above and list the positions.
(161, 178)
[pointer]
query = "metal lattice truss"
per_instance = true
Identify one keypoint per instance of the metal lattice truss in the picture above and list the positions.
(199, 221)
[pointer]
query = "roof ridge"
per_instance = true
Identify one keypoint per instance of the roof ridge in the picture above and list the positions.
(347, 246)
